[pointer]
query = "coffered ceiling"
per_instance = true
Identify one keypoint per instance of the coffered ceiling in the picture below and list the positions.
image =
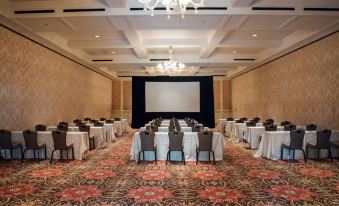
(226, 39)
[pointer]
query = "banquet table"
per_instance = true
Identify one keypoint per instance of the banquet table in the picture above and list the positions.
(166, 129)
(119, 128)
(239, 129)
(229, 127)
(270, 145)
(79, 140)
(190, 141)
(221, 125)
(125, 125)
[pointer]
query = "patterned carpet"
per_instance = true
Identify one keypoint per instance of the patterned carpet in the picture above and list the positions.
(107, 177)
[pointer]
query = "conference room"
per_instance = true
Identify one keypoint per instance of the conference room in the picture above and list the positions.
(169, 102)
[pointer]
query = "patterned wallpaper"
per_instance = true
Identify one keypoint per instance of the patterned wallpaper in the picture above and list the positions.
(40, 86)
(302, 87)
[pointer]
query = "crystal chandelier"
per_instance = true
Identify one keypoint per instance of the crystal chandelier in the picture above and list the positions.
(171, 5)
(171, 67)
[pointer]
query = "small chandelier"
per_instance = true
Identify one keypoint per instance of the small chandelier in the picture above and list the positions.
(171, 67)
(171, 5)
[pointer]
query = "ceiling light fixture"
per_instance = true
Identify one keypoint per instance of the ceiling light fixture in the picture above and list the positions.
(234, 52)
(254, 35)
(171, 5)
(97, 36)
(113, 52)
(171, 66)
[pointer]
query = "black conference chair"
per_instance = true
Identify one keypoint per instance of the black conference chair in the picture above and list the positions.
(117, 119)
(65, 123)
(244, 118)
(285, 123)
(98, 124)
(230, 119)
(109, 121)
(251, 124)
(62, 127)
(290, 127)
(175, 144)
(256, 119)
(103, 119)
(323, 142)
(296, 143)
(311, 127)
(87, 119)
(59, 140)
(270, 128)
(6, 143)
(196, 128)
(40, 127)
(147, 144)
(269, 121)
(239, 121)
(85, 128)
(31, 143)
(174, 128)
(205, 145)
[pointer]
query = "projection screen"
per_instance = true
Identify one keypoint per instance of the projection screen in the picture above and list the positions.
(172, 96)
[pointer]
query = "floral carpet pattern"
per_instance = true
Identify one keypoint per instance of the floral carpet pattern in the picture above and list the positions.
(108, 177)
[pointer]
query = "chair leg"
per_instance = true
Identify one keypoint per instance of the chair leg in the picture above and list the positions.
(21, 150)
(330, 154)
(167, 156)
(209, 155)
(213, 157)
(197, 157)
(61, 154)
(143, 155)
(306, 152)
(155, 156)
(52, 157)
(183, 157)
(23, 156)
(304, 155)
(67, 153)
(293, 154)
(281, 153)
(34, 154)
(318, 157)
(11, 153)
(73, 152)
(139, 156)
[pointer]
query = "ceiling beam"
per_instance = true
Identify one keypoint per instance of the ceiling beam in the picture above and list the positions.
(250, 43)
(241, 3)
(116, 3)
(95, 44)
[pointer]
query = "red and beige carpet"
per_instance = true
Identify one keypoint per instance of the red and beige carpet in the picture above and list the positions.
(108, 177)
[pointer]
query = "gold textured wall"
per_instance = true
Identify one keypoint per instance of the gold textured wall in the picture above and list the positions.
(38, 85)
(302, 87)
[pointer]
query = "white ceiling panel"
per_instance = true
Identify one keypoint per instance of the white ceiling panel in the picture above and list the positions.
(90, 23)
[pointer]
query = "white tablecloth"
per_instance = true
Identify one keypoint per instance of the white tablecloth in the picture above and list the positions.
(252, 136)
(270, 145)
(125, 125)
(229, 127)
(239, 129)
(190, 141)
(79, 140)
(119, 128)
(221, 125)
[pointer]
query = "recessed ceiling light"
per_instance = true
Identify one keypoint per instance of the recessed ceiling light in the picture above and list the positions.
(234, 52)
(113, 52)
(97, 36)
(254, 35)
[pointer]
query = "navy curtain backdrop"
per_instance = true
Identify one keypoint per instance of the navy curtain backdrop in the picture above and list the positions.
(205, 116)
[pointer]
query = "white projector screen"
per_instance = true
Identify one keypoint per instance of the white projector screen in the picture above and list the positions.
(172, 96)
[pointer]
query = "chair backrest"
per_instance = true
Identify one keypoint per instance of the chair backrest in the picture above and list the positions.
(147, 140)
(84, 128)
(323, 139)
(196, 128)
(271, 128)
(98, 124)
(257, 119)
(87, 119)
(40, 127)
(205, 140)
(77, 120)
(230, 119)
(251, 124)
(175, 140)
(5, 139)
(59, 139)
(244, 118)
(311, 127)
(290, 127)
(65, 123)
(62, 127)
(239, 121)
(154, 128)
(109, 121)
(285, 123)
(103, 119)
(31, 139)
(117, 119)
(297, 138)
(270, 121)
